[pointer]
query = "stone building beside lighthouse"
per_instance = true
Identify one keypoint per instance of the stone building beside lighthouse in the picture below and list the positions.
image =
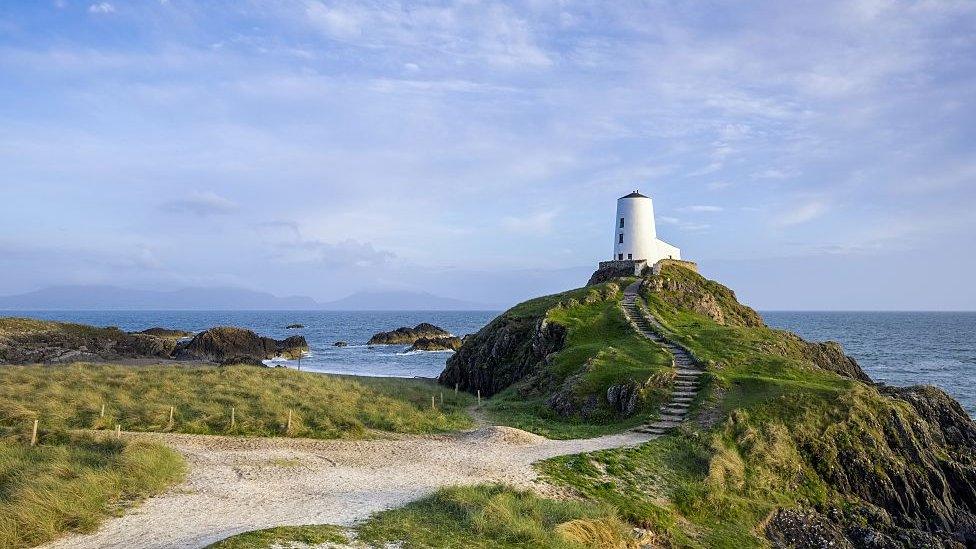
(636, 246)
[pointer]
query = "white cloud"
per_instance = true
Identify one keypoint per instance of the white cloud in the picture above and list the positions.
(101, 7)
(701, 208)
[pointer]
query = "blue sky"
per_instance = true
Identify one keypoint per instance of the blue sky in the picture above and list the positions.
(815, 155)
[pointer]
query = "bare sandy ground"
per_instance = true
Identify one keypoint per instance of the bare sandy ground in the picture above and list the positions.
(239, 484)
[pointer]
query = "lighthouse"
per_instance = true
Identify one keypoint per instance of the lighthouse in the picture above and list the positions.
(635, 235)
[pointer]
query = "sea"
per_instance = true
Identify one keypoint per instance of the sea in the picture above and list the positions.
(896, 348)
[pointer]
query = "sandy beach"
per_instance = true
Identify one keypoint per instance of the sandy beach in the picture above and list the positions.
(236, 485)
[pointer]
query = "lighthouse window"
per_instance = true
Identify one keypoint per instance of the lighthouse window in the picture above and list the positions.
(621, 239)
(621, 223)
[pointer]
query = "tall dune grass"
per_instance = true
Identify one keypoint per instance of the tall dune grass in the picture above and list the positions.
(139, 399)
(71, 482)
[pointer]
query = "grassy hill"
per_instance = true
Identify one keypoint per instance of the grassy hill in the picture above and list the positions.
(792, 444)
(550, 362)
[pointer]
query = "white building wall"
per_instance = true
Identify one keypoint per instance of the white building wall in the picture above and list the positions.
(639, 233)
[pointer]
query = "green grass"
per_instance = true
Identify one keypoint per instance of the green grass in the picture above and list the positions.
(284, 536)
(496, 517)
(139, 399)
(604, 350)
(486, 516)
(69, 483)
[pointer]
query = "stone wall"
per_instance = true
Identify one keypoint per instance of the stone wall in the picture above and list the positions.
(610, 270)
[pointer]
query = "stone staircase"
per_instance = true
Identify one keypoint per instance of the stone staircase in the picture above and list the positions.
(686, 381)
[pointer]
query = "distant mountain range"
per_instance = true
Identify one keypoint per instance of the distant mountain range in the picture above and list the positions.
(402, 300)
(221, 298)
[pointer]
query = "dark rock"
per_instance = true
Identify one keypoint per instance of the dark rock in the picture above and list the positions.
(507, 350)
(165, 332)
(612, 270)
(340, 344)
(294, 326)
(226, 343)
(243, 360)
(451, 343)
(407, 335)
(24, 341)
(804, 529)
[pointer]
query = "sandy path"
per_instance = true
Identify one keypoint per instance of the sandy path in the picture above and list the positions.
(240, 484)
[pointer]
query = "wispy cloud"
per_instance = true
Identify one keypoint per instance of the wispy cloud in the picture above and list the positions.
(205, 203)
(701, 208)
(101, 7)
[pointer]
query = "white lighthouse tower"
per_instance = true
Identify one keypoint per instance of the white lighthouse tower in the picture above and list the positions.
(635, 236)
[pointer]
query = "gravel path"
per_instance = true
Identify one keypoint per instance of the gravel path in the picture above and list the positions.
(239, 484)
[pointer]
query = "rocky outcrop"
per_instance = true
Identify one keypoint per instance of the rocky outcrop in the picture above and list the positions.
(906, 472)
(229, 345)
(294, 326)
(508, 349)
(158, 331)
(830, 356)
(686, 290)
(612, 270)
(451, 343)
(407, 335)
(341, 344)
(24, 341)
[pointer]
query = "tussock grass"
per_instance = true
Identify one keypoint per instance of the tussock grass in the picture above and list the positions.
(496, 517)
(139, 399)
(285, 536)
(71, 482)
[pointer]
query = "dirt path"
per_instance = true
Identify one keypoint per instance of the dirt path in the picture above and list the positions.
(241, 484)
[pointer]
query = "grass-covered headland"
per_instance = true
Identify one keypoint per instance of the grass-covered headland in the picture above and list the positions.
(792, 444)
(550, 363)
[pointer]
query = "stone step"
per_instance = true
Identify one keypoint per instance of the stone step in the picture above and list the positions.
(684, 393)
(675, 404)
(682, 398)
(675, 410)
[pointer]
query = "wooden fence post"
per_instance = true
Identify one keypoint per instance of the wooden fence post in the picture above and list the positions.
(232, 418)
(103, 409)
(442, 398)
(118, 431)
(479, 397)
(34, 434)
(288, 429)
(432, 406)
(171, 415)
(455, 388)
